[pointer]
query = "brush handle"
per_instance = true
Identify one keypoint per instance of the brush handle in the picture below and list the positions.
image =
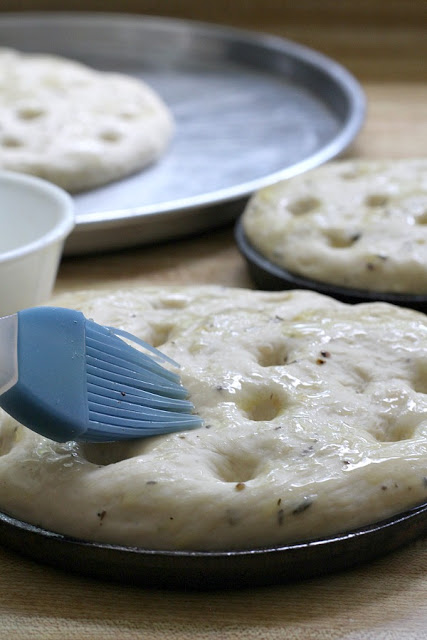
(8, 352)
(50, 396)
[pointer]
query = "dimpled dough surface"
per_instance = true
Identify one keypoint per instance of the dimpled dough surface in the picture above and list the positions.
(358, 223)
(315, 422)
(75, 126)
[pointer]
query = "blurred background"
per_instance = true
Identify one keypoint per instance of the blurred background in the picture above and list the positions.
(382, 42)
(390, 34)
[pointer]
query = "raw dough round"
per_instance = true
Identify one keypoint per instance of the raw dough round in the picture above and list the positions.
(75, 126)
(315, 422)
(360, 224)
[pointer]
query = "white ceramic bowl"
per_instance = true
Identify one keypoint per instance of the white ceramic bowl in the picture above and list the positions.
(35, 219)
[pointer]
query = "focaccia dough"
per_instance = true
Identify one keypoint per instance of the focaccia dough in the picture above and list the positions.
(359, 224)
(76, 126)
(315, 422)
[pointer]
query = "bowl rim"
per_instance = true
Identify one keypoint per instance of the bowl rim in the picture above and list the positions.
(62, 227)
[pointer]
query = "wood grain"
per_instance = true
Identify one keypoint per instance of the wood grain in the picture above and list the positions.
(383, 601)
(384, 44)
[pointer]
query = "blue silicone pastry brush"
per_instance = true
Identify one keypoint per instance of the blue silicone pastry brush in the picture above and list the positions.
(69, 378)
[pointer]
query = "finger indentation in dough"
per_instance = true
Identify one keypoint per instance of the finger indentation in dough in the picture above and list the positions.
(30, 112)
(8, 439)
(104, 454)
(171, 302)
(340, 239)
(11, 142)
(160, 334)
(419, 376)
(421, 219)
(304, 205)
(110, 135)
(396, 429)
(236, 467)
(376, 200)
(272, 355)
(262, 404)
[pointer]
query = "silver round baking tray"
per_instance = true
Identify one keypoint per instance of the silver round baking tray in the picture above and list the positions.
(250, 109)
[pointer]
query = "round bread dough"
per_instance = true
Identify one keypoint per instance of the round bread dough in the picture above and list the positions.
(315, 422)
(359, 224)
(75, 126)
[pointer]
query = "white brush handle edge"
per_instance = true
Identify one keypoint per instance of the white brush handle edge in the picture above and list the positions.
(8, 352)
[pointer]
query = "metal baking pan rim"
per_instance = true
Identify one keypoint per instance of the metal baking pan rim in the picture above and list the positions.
(268, 275)
(207, 570)
(344, 79)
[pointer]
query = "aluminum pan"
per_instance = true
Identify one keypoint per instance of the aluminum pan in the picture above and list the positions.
(250, 109)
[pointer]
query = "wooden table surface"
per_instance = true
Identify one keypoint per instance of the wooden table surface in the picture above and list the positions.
(385, 600)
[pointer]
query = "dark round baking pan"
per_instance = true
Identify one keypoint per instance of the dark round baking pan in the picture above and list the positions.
(219, 569)
(268, 275)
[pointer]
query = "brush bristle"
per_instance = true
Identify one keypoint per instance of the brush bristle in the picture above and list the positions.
(130, 395)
